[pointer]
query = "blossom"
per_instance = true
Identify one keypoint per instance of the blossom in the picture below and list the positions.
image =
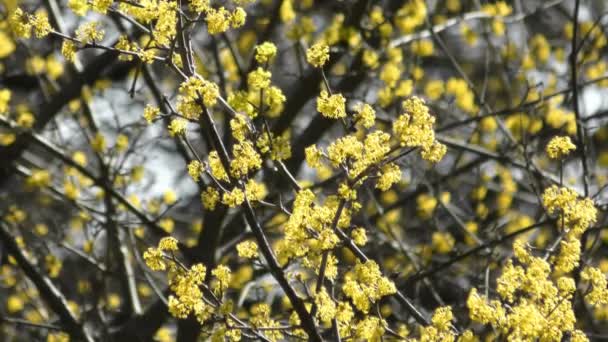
(154, 259)
(247, 249)
(560, 147)
(90, 32)
(331, 106)
(194, 169)
(218, 20)
(575, 214)
(318, 54)
(209, 198)
(265, 52)
(258, 79)
(367, 285)
(366, 115)
(177, 127)
(326, 308)
(40, 23)
(150, 113)
(168, 244)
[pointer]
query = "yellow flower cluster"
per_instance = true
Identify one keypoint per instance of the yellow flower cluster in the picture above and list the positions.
(575, 215)
(245, 159)
(331, 106)
(278, 147)
(177, 127)
(366, 115)
(247, 249)
(326, 308)
(559, 147)
(186, 296)
(38, 179)
(599, 286)
(465, 98)
(388, 175)
(5, 98)
(260, 317)
(366, 285)
(233, 198)
(261, 96)
(151, 113)
(318, 54)
(217, 169)
(68, 50)
(223, 276)
(308, 232)
(90, 33)
(265, 52)
(440, 329)
(166, 23)
(209, 198)
(220, 20)
(22, 23)
(414, 128)
(258, 79)
(193, 90)
(538, 304)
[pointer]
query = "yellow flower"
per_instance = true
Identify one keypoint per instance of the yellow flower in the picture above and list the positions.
(20, 24)
(560, 147)
(233, 198)
(169, 197)
(150, 113)
(365, 114)
(122, 142)
(359, 236)
(389, 175)
(154, 259)
(168, 243)
(101, 6)
(318, 54)
(246, 159)
(265, 52)
(200, 5)
(40, 23)
(367, 285)
(443, 242)
(237, 19)
(434, 153)
(313, 156)
(5, 97)
(218, 21)
(177, 127)
(575, 214)
(247, 249)
(333, 107)
(326, 308)
(68, 50)
(599, 292)
(14, 304)
(209, 198)
(259, 79)
(223, 275)
(442, 318)
(426, 205)
(194, 169)
(90, 33)
(79, 7)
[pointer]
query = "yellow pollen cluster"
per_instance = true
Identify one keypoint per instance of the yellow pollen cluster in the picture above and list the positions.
(560, 147)
(331, 106)
(318, 54)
